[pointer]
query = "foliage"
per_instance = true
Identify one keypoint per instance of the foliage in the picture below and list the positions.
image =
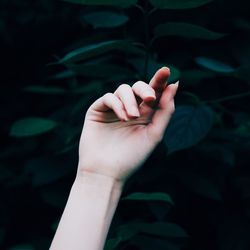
(59, 56)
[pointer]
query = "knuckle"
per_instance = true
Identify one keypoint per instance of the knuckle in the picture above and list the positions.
(139, 84)
(124, 86)
(108, 95)
(142, 86)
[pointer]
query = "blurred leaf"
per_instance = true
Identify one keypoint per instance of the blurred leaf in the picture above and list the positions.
(93, 50)
(5, 173)
(242, 184)
(147, 242)
(201, 186)
(188, 126)
(178, 4)
(112, 244)
(218, 152)
(32, 126)
(45, 90)
(233, 232)
(150, 197)
(23, 148)
(106, 19)
(159, 229)
(44, 170)
(55, 195)
(22, 247)
(90, 88)
(118, 3)
(214, 65)
(195, 76)
(185, 30)
(98, 70)
(243, 73)
(244, 130)
(242, 24)
(63, 75)
(153, 66)
(2, 234)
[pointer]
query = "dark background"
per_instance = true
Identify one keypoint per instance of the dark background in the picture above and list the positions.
(58, 57)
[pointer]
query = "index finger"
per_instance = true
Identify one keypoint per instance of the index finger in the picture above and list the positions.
(159, 83)
(159, 80)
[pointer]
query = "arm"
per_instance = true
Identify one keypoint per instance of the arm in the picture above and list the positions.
(88, 213)
(119, 133)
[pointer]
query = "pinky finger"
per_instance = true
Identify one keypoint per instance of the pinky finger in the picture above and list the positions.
(110, 102)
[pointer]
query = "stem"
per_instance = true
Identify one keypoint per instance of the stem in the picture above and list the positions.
(146, 27)
(229, 98)
(152, 11)
(140, 8)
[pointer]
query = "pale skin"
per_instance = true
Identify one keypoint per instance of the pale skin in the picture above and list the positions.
(120, 131)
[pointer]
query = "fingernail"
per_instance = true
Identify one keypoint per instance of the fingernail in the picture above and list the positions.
(176, 83)
(134, 111)
(166, 67)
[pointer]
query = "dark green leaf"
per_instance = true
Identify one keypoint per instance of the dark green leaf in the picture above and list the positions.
(45, 171)
(45, 90)
(63, 75)
(22, 247)
(188, 126)
(55, 195)
(178, 4)
(153, 66)
(2, 234)
(243, 73)
(112, 244)
(93, 50)
(91, 87)
(147, 242)
(242, 184)
(186, 30)
(201, 186)
(32, 126)
(100, 70)
(196, 76)
(118, 3)
(150, 197)
(214, 65)
(165, 230)
(5, 173)
(105, 19)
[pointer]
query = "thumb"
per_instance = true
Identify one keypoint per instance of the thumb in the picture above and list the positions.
(163, 113)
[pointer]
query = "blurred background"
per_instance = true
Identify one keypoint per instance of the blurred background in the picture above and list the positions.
(57, 57)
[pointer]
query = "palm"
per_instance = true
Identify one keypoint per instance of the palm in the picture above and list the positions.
(121, 147)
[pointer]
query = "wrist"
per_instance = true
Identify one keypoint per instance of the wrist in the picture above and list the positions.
(98, 181)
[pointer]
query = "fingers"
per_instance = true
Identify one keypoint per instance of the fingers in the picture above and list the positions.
(163, 114)
(126, 95)
(129, 95)
(124, 102)
(159, 82)
(110, 101)
(144, 91)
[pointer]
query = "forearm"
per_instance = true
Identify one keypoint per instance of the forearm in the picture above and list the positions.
(87, 216)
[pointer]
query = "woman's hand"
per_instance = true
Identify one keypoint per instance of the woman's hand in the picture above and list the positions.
(121, 129)
(119, 133)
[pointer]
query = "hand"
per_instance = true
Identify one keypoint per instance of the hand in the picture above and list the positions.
(121, 129)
